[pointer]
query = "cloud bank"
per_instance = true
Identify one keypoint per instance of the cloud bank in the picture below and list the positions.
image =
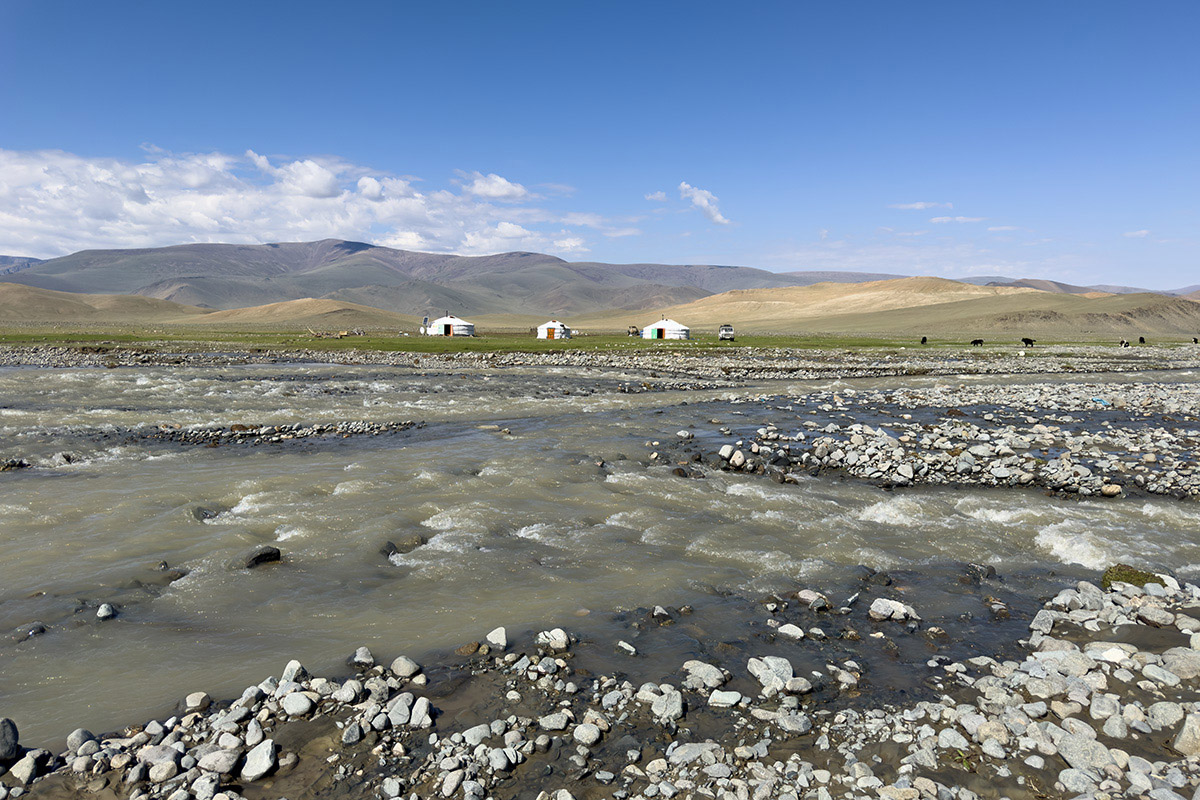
(54, 202)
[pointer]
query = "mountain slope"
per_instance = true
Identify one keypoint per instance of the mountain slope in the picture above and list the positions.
(934, 306)
(231, 276)
(27, 304)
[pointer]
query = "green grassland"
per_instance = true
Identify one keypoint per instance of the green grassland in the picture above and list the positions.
(178, 339)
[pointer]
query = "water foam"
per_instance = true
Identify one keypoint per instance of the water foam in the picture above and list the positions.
(1072, 542)
(900, 511)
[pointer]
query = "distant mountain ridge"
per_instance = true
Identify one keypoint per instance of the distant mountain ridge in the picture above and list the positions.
(229, 276)
(225, 276)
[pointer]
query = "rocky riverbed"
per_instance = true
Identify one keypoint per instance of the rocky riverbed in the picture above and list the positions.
(1098, 698)
(316, 518)
(690, 366)
(1076, 438)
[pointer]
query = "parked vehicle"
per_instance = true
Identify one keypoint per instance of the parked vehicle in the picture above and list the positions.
(725, 333)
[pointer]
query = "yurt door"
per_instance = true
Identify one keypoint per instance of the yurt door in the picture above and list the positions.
(447, 330)
(550, 333)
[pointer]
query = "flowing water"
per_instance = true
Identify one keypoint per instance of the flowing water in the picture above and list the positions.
(562, 515)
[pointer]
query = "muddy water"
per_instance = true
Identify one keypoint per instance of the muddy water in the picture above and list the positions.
(561, 520)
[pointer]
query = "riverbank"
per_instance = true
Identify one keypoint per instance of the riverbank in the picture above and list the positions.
(1084, 439)
(690, 361)
(1095, 695)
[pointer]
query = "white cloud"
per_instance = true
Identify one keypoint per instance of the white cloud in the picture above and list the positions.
(658, 197)
(53, 202)
(494, 187)
(940, 220)
(704, 200)
(1004, 228)
(920, 206)
(911, 233)
(1142, 234)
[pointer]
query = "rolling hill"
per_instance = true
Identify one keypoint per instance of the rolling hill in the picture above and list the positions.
(27, 304)
(321, 314)
(932, 306)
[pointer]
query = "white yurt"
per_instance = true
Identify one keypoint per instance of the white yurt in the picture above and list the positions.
(553, 330)
(666, 329)
(449, 325)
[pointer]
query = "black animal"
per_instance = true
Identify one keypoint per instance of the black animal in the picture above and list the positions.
(1195, 340)
(977, 343)
(1141, 340)
(925, 340)
(1028, 342)
(1124, 343)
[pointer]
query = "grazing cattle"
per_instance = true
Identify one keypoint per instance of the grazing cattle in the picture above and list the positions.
(977, 343)
(1195, 340)
(1141, 340)
(925, 340)
(1028, 342)
(1124, 343)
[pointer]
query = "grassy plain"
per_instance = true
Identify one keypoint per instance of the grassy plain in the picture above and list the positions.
(179, 339)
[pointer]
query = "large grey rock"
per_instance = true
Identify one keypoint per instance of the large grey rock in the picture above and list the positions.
(1188, 739)
(1164, 714)
(498, 637)
(259, 761)
(772, 672)
(1076, 781)
(1182, 661)
(701, 675)
(25, 770)
(294, 671)
(297, 704)
(163, 772)
(475, 735)
(882, 608)
(205, 787)
(405, 667)
(587, 734)
(158, 754)
(1043, 621)
(668, 706)
(77, 738)
(553, 722)
(362, 658)
(950, 739)
(695, 751)
(1084, 753)
(10, 745)
(422, 714)
(556, 639)
(223, 762)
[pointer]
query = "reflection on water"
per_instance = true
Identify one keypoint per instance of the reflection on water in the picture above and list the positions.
(526, 529)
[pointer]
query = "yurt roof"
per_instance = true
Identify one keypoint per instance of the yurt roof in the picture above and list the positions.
(553, 324)
(450, 319)
(668, 323)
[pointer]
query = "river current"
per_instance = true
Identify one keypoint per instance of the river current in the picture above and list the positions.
(533, 491)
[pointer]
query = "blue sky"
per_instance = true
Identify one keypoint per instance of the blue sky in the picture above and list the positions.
(1025, 139)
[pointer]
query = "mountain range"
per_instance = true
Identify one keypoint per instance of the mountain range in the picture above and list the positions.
(227, 276)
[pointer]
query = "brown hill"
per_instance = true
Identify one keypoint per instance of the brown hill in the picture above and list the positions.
(27, 304)
(929, 306)
(308, 312)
